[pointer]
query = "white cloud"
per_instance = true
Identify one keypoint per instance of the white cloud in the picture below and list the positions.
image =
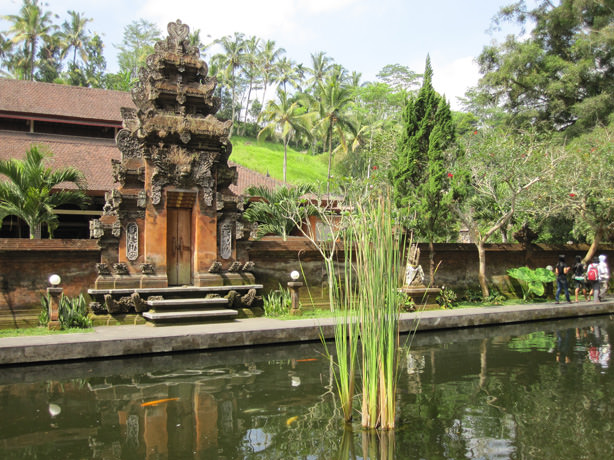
(454, 77)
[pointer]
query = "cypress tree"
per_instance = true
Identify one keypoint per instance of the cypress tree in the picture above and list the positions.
(419, 177)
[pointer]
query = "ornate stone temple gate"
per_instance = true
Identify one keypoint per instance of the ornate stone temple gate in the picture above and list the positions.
(170, 228)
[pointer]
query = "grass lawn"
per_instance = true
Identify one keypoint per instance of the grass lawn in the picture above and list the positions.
(268, 157)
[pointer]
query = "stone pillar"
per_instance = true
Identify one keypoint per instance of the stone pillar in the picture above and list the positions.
(294, 286)
(54, 294)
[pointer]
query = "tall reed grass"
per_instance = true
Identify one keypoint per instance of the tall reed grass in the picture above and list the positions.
(369, 314)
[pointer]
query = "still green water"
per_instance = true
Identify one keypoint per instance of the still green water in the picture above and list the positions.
(531, 391)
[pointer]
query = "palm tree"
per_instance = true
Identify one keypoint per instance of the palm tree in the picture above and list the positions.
(277, 211)
(334, 101)
(230, 60)
(321, 64)
(269, 56)
(288, 72)
(286, 116)
(251, 67)
(27, 194)
(74, 36)
(28, 27)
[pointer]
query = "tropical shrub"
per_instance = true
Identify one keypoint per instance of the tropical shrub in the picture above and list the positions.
(278, 302)
(532, 282)
(446, 298)
(72, 312)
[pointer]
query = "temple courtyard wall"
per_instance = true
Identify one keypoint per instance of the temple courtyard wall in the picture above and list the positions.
(25, 266)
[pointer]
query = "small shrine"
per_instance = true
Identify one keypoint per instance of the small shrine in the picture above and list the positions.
(172, 221)
(421, 295)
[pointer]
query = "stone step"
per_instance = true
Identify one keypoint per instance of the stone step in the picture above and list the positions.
(175, 290)
(188, 314)
(186, 302)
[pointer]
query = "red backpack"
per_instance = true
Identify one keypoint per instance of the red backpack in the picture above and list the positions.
(592, 274)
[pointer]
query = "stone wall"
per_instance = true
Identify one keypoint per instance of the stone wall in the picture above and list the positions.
(25, 266)
(457, 264)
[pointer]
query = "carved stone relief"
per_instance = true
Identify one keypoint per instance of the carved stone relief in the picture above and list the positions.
(132, 241)
(128, 144)
(226, 239)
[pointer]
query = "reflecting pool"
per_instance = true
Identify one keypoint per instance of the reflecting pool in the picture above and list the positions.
(527, 391)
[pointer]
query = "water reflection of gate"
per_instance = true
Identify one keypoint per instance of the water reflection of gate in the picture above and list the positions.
(175, 419)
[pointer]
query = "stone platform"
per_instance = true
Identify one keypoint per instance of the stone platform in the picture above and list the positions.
(137, 340)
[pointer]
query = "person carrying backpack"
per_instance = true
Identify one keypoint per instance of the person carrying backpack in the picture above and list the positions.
(579, 276)
(592, 278)
(561, 271)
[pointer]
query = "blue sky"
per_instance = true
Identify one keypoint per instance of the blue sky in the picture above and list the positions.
(362, 35)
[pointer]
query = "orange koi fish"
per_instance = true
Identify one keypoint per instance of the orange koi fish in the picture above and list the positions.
(158, 401)
(306, 360)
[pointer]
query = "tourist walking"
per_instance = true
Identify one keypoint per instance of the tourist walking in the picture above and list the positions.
(592, 278)
(579, 274)
(604, 277)
(561, 271)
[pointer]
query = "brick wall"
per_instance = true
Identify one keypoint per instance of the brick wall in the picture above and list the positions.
(25, 267)
(457, 264)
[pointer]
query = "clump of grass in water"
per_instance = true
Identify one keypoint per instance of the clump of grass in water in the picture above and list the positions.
(369, 316)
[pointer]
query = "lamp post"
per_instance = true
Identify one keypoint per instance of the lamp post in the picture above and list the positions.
(294, 286)
(54, 292)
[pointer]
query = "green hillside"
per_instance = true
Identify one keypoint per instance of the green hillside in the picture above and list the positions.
(268, 157)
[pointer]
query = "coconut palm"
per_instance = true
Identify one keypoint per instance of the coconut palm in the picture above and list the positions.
(288, 72)
(277, 211)
(229, 61)
(269, 56)
(28, 27)
(334, 101)
(321, 64)
(285, 116)
(27, 194)
(251, 64)
(74, 37)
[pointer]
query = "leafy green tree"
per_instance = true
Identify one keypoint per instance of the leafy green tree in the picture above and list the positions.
(270, 209)
(28, 195)
(418, 173)
(28, 28)
(138, 40)
(286, 117)
(560, 76)
(492, 174)
(49, 62)
(399, 78)
(586, 192)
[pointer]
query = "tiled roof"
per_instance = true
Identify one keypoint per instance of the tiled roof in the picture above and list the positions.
(248, 178)
(49, 100)
(91, 156)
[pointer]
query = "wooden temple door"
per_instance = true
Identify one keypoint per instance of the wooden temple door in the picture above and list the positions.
(179, 246)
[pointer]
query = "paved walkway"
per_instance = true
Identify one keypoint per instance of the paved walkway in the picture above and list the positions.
(112, 341)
